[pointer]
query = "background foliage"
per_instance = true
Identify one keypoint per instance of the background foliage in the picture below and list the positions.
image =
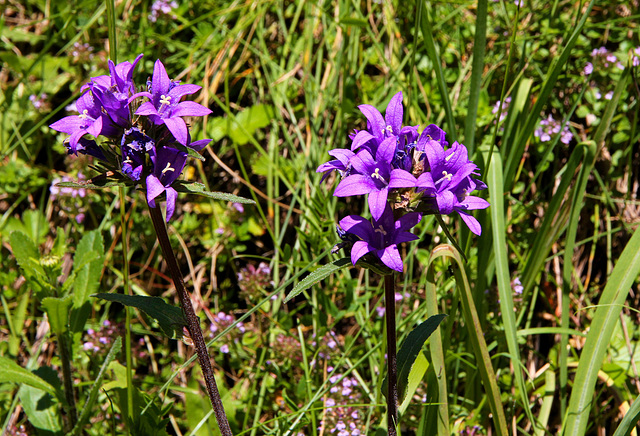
(553, 277)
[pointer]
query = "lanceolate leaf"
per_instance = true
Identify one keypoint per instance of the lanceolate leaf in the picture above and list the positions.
(317, 276)
(409, 351)
(170, 318)
(199, 189)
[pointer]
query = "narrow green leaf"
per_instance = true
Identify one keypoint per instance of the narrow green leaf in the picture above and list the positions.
(610, 304)
(630, 420)
(98, 184)
(14, 373)
(476, 336)
(317, 276)
(475, 84)
(170, 318)
(409, 352)
(495, 185)
(58, 312)
(97, 384)
(436, 60)
(199, 189)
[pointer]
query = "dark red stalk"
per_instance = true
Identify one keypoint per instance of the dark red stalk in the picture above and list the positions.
(392, 365)
(193, 322)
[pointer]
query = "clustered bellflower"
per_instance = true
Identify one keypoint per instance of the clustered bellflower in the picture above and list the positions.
(406, 175)
(139, 138)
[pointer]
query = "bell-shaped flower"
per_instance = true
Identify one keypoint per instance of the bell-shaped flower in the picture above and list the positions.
(381, 238)
(375, 177)
(91, 120)
(114, 90)
(448, 182)
(168, 164)
(342, 163)
(165, 106)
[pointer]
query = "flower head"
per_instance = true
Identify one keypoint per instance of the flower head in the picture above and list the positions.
(380, 237)
(165, 106)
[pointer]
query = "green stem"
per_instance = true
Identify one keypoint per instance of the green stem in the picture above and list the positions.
(392, 365)
(67, 380)
(127, 311)
(193, 322)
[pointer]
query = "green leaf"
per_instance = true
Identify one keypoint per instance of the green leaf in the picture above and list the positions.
(87, 268)
(27, 255)
(248, 121)
(170, 318)
(600, 333)
(199, 189)
(630, 420)
(409, 352)
(418, 370)
(14, 373)
(97, 384)
(58, 311)
(317, 276)
(98, 184)
(42, 410)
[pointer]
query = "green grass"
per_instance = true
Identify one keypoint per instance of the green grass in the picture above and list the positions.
(284, 80)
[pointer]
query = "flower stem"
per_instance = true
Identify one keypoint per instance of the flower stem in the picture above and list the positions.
(392, 366)
(193, 322)
(67, 379)
(127, 310)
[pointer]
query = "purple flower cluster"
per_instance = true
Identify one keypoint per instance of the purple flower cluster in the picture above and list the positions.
(549, 127)
(405, 175)
(143, 142)
(220, 322)
(253, 281)
(70, 200)
(340, 418)
(162, 7)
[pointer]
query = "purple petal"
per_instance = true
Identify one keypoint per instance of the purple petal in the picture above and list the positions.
(178, 128)
(408, 221)
(355, 184)
(190, 109)
(160, 82)
(435, 154)
(393, 115)
(374, 117)
(181, 90)
(390, 256)
(405, 237)
(361, 138)
(387, 150)
(402, 179)
(425, 181)
(172, 195)
(342, 154)
(359, 249)
(154, 189)
(471, 222)
(473, 203)
(68, 124)
(445, 200)
(363, 163)
(357, 225)
(378, 202)
(199, 144)
(147, 108)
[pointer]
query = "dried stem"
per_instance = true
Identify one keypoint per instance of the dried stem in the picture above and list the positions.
(193, 322)
(392, 366)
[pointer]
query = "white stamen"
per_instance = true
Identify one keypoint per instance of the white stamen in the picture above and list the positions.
(165, 100)
(446, 175)
(448, 158)
(376, 174)
(389, 129)
(381, 230)
(84, 115)
(168, 168)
